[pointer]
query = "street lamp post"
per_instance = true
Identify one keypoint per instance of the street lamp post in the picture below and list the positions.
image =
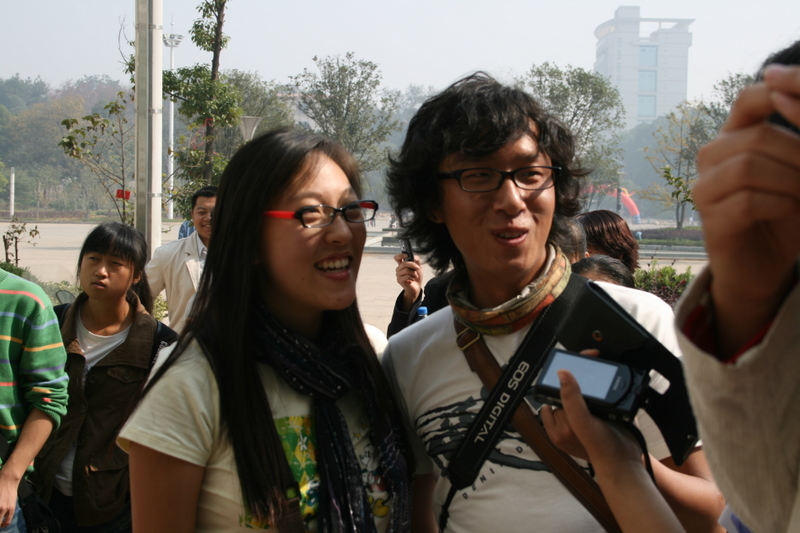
(248, 125)
(172, 41)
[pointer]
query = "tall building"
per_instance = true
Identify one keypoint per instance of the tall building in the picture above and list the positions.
(646, 59)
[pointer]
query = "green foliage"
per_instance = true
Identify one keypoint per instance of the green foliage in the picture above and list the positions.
(159, 308)
(17, 233)
(693, 235)
(16, 270)
(202, 98)
(105, 147)
(664, 282)
(17, 94)
(592, 109)
(206, 32)
(344, 101)
(681, 187)
(3, 178)
(191, 164)
(50, 288)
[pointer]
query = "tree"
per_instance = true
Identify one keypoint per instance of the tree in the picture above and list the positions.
(17, 94)
(592, 109)
(105, 146)
(687, 129)
(411, 99)
(344, 101)
(16, 233)
(256, 98)
(725, 92)
(204, 98)
(95, 91)
(3, 178)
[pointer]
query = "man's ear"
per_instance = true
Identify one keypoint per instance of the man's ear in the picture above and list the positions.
(435, 216)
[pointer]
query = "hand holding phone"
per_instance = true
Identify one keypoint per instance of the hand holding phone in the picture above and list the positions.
(405, 246)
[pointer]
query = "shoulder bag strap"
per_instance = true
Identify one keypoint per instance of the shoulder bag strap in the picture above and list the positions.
(536, 345)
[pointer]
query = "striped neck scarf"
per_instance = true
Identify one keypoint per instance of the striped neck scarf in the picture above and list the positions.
(521, 310)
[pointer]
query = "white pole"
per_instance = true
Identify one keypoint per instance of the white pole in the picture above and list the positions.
(172, 41)
(12, 185)
(170, 160)
(148, 120)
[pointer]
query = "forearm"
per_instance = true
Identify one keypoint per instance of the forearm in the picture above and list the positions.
(650, 512)
(695, 499)
(34, 434)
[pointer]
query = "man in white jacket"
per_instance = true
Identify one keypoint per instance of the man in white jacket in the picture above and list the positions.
(176, 267)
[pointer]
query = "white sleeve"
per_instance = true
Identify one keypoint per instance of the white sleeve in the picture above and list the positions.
(155, 272)
(179, 416)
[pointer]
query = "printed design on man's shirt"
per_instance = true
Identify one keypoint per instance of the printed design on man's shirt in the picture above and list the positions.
(299, 440)
(442, 430)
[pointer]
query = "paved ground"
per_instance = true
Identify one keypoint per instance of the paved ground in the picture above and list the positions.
(55, 257)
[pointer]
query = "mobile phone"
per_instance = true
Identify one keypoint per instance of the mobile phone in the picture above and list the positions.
(405, 246)
(611, 390)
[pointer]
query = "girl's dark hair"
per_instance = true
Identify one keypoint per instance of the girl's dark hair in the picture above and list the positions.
(607, 269)
(126, 242)
(475, 117)
(257, 174)
(609, 234)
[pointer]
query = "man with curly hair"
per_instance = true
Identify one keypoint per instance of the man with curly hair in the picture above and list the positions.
(485, 182)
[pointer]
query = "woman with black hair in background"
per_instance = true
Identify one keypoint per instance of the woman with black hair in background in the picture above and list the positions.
(273, 410)
(111, 339)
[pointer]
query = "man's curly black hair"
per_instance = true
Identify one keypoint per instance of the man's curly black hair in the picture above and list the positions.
(475, 117)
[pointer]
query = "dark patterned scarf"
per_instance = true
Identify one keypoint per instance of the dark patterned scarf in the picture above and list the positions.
(326, 376)
(518, 312)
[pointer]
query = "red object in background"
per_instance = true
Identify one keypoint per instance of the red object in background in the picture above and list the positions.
(127, 194)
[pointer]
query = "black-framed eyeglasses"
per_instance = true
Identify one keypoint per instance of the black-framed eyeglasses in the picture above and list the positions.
(535, 178)
(319, 216)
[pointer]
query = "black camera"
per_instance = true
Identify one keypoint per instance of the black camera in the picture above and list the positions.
(612, 390)
(596, 321)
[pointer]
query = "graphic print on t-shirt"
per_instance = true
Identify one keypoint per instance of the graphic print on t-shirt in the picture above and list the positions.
(443, 429)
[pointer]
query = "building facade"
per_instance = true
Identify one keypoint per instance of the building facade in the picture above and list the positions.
(646, 59)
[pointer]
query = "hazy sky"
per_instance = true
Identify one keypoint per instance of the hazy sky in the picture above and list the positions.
(424, 42)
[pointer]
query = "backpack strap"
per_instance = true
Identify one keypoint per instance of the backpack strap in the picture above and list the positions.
(61, 312)
(162, 338)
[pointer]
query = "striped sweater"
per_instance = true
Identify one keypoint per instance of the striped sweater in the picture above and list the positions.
(32, 357)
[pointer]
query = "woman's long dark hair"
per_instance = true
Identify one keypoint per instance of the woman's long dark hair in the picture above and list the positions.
(121, 240)
(259, 172)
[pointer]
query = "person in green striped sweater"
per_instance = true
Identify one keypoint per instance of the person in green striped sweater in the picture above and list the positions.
(33, 384)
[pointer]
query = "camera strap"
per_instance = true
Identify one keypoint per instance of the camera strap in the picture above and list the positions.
(505, 403)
